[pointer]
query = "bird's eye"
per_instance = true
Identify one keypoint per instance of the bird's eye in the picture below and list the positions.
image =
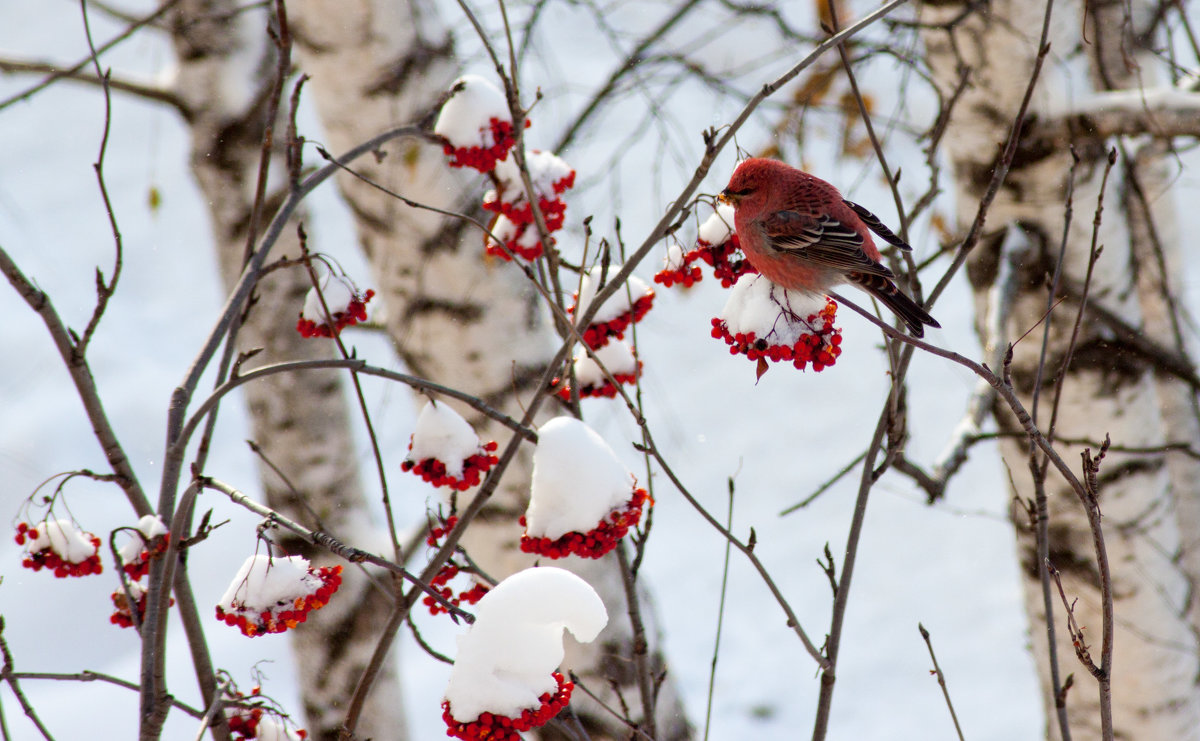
(742, 192)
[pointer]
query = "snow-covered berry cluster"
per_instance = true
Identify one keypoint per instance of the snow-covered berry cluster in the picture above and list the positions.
(717, 245)
(61, 547)
(439, 583)
(445, 451)
(476, 127)
(251, 722)
(505, 680)
(271, 595)
(514, 223)
(620, 360)
(484, 156)
(473, 467)
(582, 500)
(550, 177)
(767, 323)
(347, 307)
(123, 612)
(625, 307)
(678, 268)
(494, 727)
(595, 542)
(150, 540)
(475, 124)
(514, 239)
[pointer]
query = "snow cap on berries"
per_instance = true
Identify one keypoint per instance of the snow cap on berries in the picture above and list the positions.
(270, 595)
(521, 240)
(506, 659)
(577, 480)
(476, 124)
(617, 357)
(149, 527)
(550, 178)
(61, 547)
(756, 305)
(617, 304)
(264, 582)
(270, 729)
(624, 307)
(346, 307)
(442, 433)
(767, 322)
(63, 538)
(548, 173)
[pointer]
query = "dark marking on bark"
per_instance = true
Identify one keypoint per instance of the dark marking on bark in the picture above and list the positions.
(468, 313)
(1111, 474)
(450, 235)
(1066, 550)
(368, 218)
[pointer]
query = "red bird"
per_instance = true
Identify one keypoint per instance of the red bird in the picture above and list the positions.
(798, 231)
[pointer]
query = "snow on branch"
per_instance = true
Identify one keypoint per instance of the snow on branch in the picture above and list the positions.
(1163, 111)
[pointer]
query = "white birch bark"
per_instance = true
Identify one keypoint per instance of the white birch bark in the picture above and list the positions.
(1110, 388)
(301, 421)
(454, 317)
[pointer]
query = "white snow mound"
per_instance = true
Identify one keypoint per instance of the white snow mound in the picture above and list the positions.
(577, 480)
(506, 659)
(442, 433)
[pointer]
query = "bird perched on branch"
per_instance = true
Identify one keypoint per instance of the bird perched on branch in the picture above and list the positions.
(798, 231)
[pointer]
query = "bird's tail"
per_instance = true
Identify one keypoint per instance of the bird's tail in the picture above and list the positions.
(892, 297)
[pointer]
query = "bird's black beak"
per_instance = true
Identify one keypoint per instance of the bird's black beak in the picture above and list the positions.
(726, 197)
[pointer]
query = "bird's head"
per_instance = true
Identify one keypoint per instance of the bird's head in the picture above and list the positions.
(751, 180)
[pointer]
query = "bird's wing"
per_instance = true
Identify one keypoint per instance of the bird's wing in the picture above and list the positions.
(822, 240)
(874, 224)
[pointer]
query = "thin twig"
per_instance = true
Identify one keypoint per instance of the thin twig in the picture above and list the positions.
(941, 678)
(712, 670)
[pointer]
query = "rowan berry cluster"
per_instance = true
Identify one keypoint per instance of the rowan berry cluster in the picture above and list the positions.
(495, 142)
(820, 345)
(67, 552)
(439, 582)
(353, 313)
(139, 566)
(247, 722)
(725, 258)
(514, 223)
(595, 542)
(474, 466)
(602, 390)
(436, 533)
(284, 614)
(493, 727)
(597, 334)
(123, 614)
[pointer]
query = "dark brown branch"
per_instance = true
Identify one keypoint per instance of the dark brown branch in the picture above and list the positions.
(136, 89)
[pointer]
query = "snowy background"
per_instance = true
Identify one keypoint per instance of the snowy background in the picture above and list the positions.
(951, 567)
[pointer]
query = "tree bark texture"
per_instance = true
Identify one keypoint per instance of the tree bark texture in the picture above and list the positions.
(1112, 385)
(301, 421)
(453, 315)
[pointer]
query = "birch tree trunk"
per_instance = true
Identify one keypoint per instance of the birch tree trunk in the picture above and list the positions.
(454, 317)
(226, 67)
(1116, 383)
